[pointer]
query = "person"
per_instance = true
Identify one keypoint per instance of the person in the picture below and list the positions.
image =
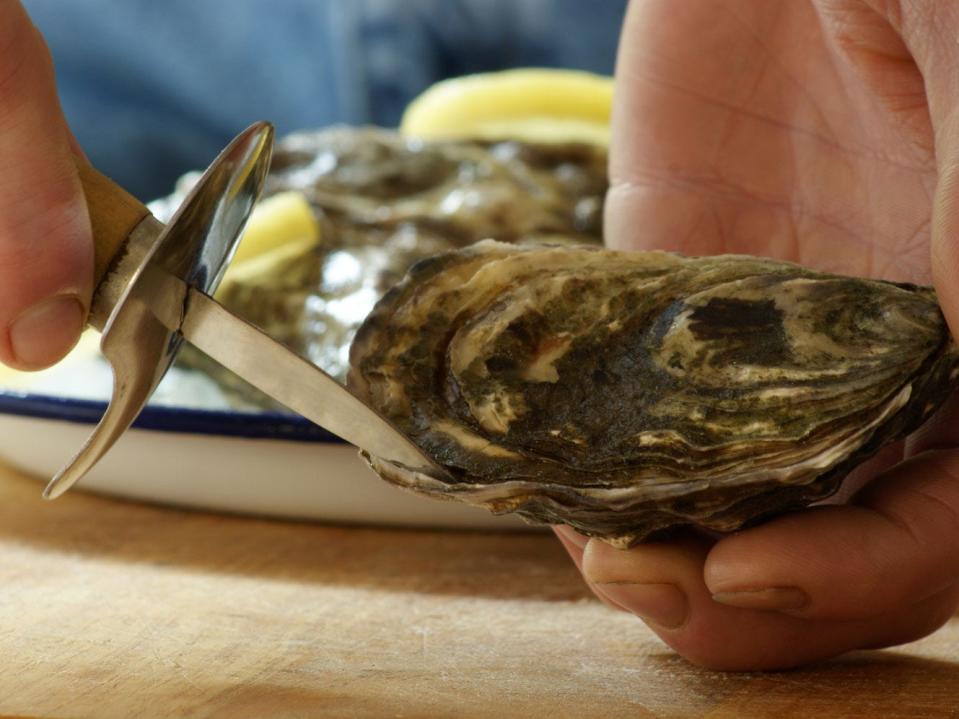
(820, 131)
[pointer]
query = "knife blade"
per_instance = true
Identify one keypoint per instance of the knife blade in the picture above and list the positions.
(283, 375)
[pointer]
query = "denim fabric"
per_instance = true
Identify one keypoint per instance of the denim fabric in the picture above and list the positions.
(153, 88)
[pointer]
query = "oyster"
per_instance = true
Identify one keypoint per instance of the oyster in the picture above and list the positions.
(625, 393)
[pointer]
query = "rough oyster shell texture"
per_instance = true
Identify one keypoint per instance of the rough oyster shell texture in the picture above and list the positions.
(625, 393)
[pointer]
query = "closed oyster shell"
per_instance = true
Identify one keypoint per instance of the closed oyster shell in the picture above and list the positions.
(625, 393)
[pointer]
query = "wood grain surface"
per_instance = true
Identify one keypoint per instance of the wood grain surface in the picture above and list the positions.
(112, 609)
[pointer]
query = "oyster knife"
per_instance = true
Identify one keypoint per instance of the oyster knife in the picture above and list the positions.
(153, 285)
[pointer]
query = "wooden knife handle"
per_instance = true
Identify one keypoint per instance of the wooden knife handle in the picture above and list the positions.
(113, 214)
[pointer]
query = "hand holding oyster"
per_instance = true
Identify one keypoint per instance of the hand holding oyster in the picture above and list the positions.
(627, 393)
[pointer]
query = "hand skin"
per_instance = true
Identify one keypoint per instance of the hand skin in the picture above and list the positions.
(46, 250)
(827, 133)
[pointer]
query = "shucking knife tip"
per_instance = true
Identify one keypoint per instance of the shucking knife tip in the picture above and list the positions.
(55, 488)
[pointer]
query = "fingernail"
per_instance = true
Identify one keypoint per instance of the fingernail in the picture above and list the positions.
(44, 333)
(776, 599)
(664, 605)
(571, 535)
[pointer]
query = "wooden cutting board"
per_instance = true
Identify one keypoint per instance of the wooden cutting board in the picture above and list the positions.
(112, 609)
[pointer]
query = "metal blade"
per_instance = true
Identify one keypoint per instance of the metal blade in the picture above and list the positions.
(193, 249)
(286, 377)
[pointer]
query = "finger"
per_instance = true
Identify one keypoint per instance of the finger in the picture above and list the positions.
(896, 545)
(930, 36)
(46, 254)
(644, 208)
(662, 583)
(945, 226)
(913, 622)
(709, 157)
(575, 543)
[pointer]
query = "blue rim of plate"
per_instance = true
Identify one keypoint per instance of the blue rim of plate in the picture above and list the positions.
(163, 418)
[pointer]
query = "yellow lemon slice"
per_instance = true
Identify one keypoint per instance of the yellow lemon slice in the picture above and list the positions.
(277, 224)
(276, 220)
(534, 104)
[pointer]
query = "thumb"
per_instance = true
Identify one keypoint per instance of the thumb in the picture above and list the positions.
(46, 252)
(930, 37)
(945, 222)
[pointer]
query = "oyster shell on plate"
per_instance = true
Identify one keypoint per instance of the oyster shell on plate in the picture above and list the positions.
(628, 393)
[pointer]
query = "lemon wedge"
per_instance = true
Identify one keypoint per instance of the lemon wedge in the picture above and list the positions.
(542, 105)
(263, 265)
(276, 220)
(279, 226)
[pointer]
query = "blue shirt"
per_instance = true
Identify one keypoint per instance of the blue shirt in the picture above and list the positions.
(152, 89)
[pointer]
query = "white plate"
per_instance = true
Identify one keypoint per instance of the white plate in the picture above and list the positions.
(189, 449)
